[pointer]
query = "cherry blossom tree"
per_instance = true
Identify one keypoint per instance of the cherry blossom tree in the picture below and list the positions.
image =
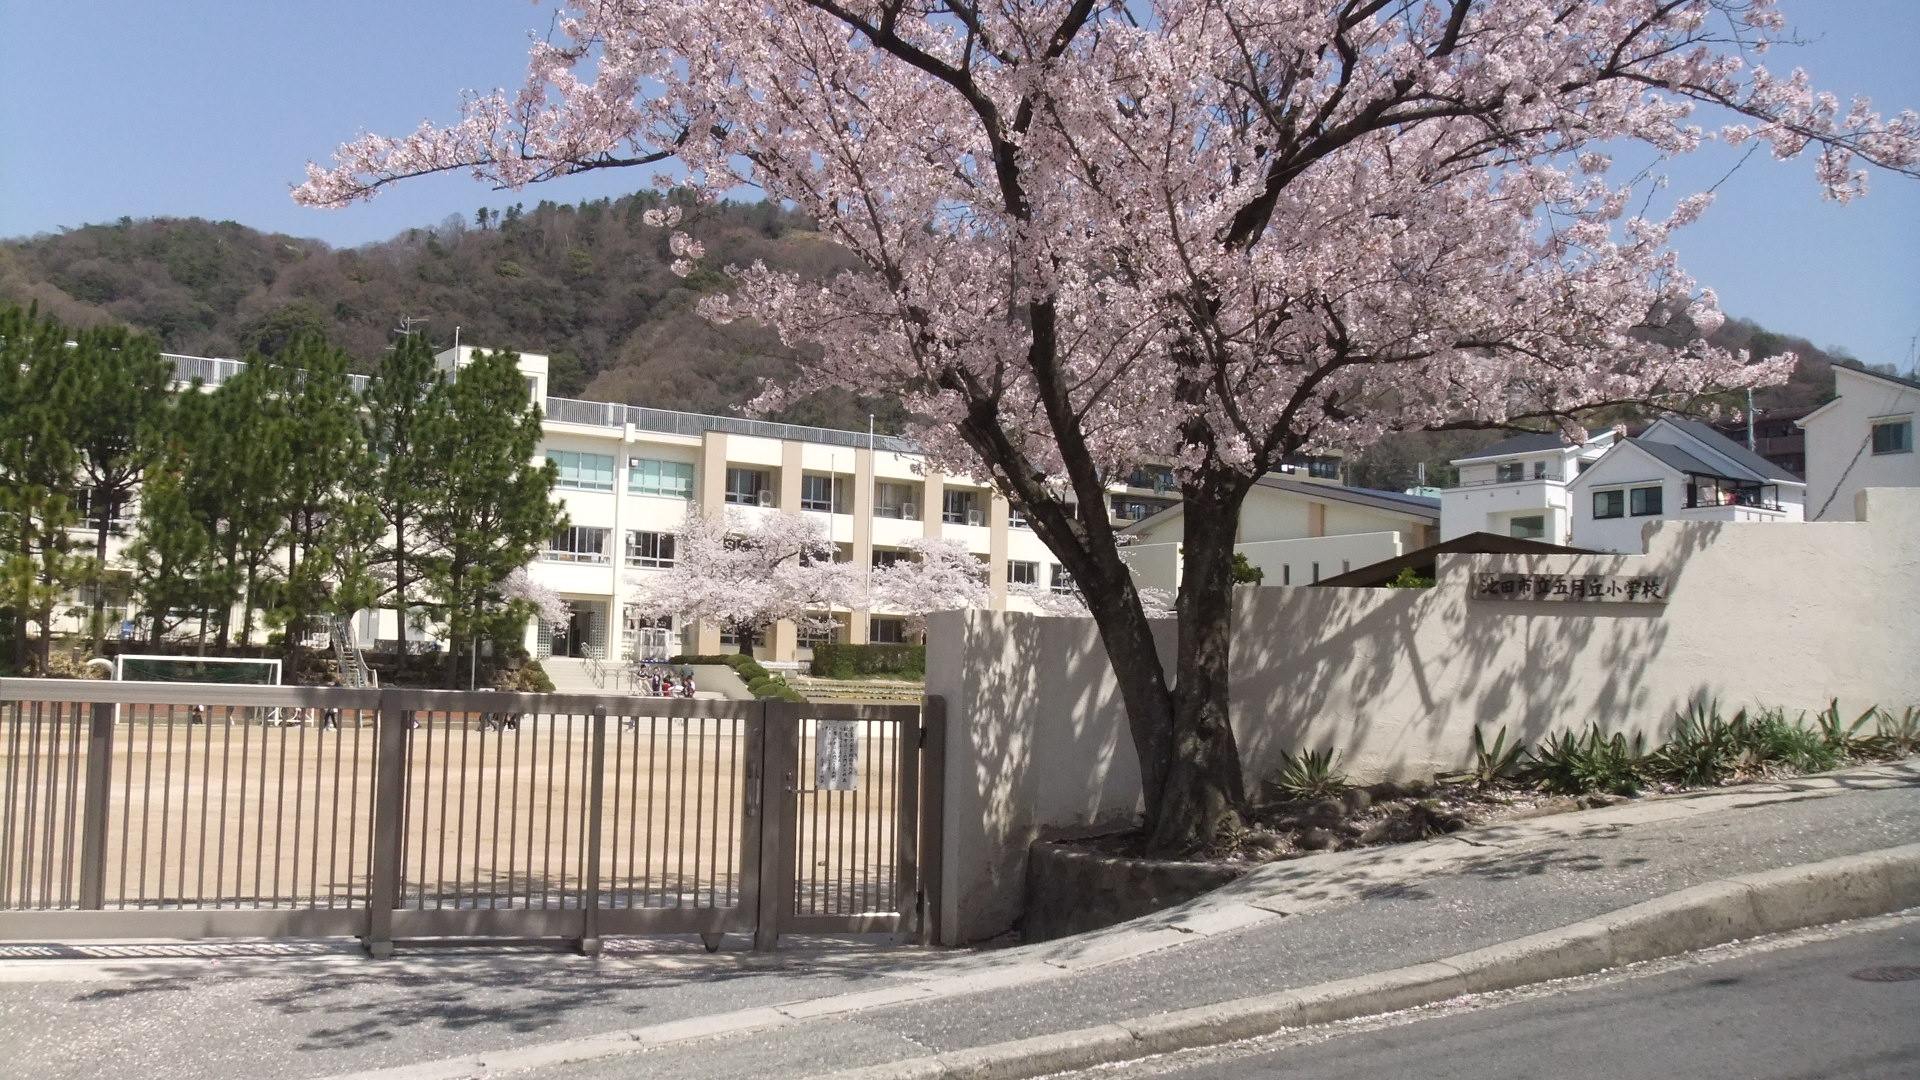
(1211, 233)
(942, 575)
(747, 571)
(538, 599)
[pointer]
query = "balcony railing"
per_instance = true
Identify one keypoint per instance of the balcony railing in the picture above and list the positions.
(1554, 475)
(668, 422)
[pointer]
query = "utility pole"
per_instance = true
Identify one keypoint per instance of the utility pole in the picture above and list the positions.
(1750, 439)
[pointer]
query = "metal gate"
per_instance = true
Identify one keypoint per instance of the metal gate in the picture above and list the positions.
(197, 810)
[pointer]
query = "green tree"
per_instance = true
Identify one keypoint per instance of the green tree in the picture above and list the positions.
(244, 456)
(172, 557)
(401, 409)
(327, 522)
(495, 505)
(122, 393)
(38, 465)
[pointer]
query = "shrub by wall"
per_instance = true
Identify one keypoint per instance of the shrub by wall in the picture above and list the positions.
(853, 661)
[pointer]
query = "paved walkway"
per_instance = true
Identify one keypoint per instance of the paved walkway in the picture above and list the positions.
(649, 1008)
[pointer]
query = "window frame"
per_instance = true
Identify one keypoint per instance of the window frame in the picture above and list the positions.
(575, 553)
(834, 503)
(1617, 497)
(579, 458)
(660, 541)
(665, 469)
(1637, 503)
(1539, 532)
(763, 481)
(1032, 569)
(1901, 424)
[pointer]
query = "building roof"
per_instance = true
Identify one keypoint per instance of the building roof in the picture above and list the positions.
(1533, 442)
(1897, 380)
(1760, 467)
(1423, 559)
(1411, 505)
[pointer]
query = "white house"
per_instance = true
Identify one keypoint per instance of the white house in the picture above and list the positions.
(1518, 487)
(1862, 438)
(1295, 531)
(1677, 470)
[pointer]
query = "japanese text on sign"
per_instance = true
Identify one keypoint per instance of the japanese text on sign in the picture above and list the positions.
(1590, 588)
(836, 756)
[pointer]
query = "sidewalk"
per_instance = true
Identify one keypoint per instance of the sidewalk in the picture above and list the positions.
(812, 1010)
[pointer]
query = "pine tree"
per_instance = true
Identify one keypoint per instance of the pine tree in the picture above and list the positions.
(122, 392)
(38, 464)
(495, 506)
(402, 404)
(172, 557)
(326, 522)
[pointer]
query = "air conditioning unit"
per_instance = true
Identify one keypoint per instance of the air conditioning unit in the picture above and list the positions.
(975, 517)
(766, 497)
(909, 511)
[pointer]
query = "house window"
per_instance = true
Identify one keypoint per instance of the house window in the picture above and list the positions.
(585, 472)
(652, 550)
(1508, 471)
(1062, 582)
(1893, 437)
(1539, 470)
(819, 492)
(645, 476)
(896, 501)
(959, 507)
(1609, 504)
(1023, 573)
(889, 556)
(1532, 527)
(749, 487)
(884, 631)
(582, 544)
(1644, 501)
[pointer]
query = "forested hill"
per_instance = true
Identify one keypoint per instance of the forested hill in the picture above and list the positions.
(588, 284)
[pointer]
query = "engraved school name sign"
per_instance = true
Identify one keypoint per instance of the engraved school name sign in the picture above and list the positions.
(1582, 588)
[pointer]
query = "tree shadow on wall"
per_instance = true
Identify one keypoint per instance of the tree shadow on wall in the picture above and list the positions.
(1398, 678)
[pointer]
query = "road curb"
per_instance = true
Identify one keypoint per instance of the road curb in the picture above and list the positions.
(1749, 905)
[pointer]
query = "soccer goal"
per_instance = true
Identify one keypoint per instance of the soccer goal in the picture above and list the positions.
(233, 671)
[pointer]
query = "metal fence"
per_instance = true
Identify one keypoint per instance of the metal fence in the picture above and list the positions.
(198, 810)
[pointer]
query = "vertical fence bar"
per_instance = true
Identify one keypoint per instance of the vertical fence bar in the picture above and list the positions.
(933, 803)
(906, 830)
(390, 758)
(780, 750)
(596, 789)
(93, 829)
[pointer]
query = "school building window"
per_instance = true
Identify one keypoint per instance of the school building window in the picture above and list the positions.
(822, 493)
(1893, 437)
(650, 550)
(1023, 573)
(889, 556)
(896, 501)
(585, 472)
(581, 544)
(646, 476)
(960, 507)
(885, 631)
(749, 487)
(1062, 582)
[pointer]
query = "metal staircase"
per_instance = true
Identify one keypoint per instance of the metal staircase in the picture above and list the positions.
(352, 662)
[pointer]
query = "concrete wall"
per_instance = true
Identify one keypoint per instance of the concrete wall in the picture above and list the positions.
(1789, 614)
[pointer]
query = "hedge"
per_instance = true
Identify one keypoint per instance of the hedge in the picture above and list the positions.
(761, 683)
(852, 661)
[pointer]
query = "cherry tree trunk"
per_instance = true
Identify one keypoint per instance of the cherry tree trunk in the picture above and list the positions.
(1203, 787)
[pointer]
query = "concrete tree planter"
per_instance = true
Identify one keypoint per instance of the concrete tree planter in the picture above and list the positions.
(1072, 888)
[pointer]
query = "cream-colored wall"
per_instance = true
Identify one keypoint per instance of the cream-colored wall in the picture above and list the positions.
(1397, 679)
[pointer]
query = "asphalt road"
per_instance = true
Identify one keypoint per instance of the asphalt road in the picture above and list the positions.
(1844, 1007)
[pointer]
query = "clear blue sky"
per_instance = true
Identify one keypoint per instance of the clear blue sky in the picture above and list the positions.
(209, 108)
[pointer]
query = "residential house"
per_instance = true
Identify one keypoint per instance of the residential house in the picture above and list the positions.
(1295, 531)
(1862, 438)
(1679, 470)
(1518, 487)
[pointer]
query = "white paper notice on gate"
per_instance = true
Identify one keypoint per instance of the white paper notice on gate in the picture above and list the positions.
(836, 755)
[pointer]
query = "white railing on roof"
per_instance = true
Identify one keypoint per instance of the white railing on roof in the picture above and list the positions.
(666, 421)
